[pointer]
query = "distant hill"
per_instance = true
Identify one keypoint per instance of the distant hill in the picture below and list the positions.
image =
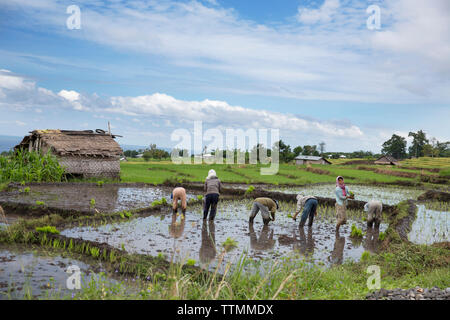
(9, 142)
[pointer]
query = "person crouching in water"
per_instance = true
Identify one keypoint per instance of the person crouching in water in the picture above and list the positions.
(374, 209)
(179, 193)
(309, 205)
(342, 194)
(265, 205)
(212, 189)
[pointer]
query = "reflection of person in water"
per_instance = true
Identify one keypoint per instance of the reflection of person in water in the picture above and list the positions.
(305, 245)
(208, 248)
(265, 240)
(176, 228)
(337, 255)
(371, 241)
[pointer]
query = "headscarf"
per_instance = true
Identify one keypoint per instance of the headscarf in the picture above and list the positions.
(341, 186)
(211, 173)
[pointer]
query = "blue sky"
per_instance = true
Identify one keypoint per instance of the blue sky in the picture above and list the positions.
(311, 69)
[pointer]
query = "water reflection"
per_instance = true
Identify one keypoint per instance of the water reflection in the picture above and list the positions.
(371, 240)
(265, 240)
(208, 247)
(337, 255)
(176, 228)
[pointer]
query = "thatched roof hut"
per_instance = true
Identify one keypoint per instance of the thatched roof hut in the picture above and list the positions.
(300, 160)
(386, 160)
(85, 153)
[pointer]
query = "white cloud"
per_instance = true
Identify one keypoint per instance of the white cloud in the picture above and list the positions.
(336, 58)
(322, 14)
(70, 95)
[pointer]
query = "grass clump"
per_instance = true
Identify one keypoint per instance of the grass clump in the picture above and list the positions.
(161, 202)
(229, 244)
(356, 232)
(250, 189)
(47, 229)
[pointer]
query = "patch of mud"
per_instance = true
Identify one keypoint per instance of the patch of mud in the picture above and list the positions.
(435, 195)
(430, 226)
(387, 195)
(108, 198)
(202, 241)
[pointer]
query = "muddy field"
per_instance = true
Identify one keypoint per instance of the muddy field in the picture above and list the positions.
(108, 198)
(385, 194)
(192, 238)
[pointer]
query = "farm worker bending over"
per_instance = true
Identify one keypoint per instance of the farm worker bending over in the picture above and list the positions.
(342, 194)
(212, 189)
(265, 205)
(179, 193)
(309, 205)
(374, 209)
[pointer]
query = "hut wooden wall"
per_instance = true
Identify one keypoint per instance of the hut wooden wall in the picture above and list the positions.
(91, 167)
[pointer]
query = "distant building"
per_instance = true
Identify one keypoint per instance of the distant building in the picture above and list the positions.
(300, 160)
(342, 156)
(387, 160)
(85, 153)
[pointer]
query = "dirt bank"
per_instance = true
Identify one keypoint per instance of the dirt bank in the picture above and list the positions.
(435, 195)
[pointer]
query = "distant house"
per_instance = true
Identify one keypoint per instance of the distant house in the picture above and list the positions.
(85, 153)
(300, 160)
(204, 156)
(387, 160)
(342, 156)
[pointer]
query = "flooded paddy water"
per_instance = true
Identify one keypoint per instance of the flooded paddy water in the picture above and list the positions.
(430, 225)
(108, 198)
(192, 238)
(386, 194)
(26, 273)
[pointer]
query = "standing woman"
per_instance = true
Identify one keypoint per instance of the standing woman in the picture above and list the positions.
(212, 189)
(342, 194)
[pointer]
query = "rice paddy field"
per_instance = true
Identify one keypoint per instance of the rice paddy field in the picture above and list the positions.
(128, 244)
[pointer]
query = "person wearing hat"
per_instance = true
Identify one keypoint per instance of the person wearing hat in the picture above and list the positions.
(267, 206)
(309, 205)
(373, 209)
(212, 189)
(179, 193)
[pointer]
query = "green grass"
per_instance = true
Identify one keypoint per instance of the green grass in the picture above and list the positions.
(288, 174)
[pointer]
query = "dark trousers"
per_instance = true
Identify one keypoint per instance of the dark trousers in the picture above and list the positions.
(210, 201)
(309, 211)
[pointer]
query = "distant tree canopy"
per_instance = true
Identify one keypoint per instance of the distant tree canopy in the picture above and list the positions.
(395, 147)
(155, 153)
(421, 146)
(131, 153)
(419, 141)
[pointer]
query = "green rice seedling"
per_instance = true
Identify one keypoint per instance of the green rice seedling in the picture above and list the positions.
(229, 244)
(200, 197)
(191, 262)
(356, 232)
(92, 203)
(250, 189)
(95, 252)
(70, 247)
(40, 203)
(128, 214)
(382, 236)
(100, 183)
(47, 229)
(26, 189)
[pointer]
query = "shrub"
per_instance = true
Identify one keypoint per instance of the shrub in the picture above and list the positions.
(32, 166)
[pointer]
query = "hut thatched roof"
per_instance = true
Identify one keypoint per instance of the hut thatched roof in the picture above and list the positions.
(386, 159)
(82, 143)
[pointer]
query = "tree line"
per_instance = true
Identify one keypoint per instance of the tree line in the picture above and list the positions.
(421, 146)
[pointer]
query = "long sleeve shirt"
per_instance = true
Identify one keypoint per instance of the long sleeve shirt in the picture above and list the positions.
(270, 204)
(301, 202)
(340, 199)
